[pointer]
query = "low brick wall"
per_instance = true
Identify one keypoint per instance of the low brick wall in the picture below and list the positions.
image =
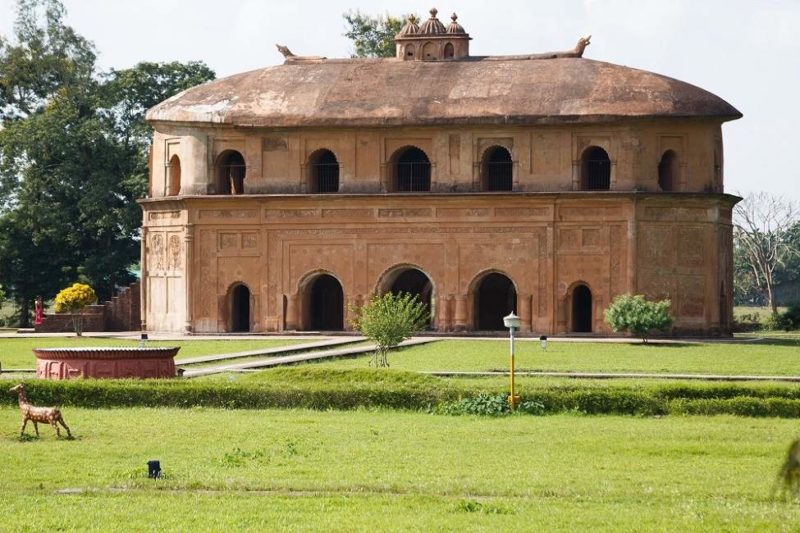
(121, 313)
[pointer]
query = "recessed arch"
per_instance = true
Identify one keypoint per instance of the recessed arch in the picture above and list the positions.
(580, 304)
(231, 172)
(449, 51)
(668, 171)
(322, 303)
(410, 170)
(323, 172)
(174, 176)
(239, 308)
(595, 169)
(494, 295)
(497, 169)
(410, 50)
(411, 279)
(429, 51)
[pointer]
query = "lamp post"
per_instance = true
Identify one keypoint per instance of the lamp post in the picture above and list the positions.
(512, 322)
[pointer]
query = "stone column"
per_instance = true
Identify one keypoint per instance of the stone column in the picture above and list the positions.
(524, 306)
(292, 317)
(460, 318)
(443, 322)
(188, 242)
(143, 284)
(196, 175)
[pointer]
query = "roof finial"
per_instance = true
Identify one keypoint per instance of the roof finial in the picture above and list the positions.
(433, 12)
(412, 18)
(454, 17)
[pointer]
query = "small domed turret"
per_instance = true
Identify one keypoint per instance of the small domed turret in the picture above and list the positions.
(454, 27)
(410, 27)
(432, 26)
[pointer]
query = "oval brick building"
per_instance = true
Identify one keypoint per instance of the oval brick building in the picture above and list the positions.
(544, 184)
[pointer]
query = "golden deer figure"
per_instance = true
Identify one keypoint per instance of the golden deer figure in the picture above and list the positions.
(49, 415)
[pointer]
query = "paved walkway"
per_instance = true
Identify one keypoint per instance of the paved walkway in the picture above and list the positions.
(271, 351)
(618, 375)
(298, 358)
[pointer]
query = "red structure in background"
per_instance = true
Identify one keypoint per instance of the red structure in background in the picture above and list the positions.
(105, 363)
(38, 315)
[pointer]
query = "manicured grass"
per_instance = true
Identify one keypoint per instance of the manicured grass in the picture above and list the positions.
(16, 353)
(345, 471)
(767, 357)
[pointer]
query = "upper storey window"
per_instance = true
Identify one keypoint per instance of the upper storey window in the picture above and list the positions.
(497, 170)
(231, 172)
(595, 170)
(667, 171)
(324, 172)
(412, 170)
(174, 176)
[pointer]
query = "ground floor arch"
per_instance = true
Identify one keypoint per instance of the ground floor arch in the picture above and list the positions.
(494, 297)
(240, 308)
(581, 309)
(411, 280)
(323, 304)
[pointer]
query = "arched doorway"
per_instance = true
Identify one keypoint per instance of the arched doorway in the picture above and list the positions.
(231, 171)
(324, 172)
(667, 168)
(497, 170)
(240, 309)
(495, 297)
(412, 170)
(325, 304)
(410, 280)
(581, 309)
(595, 170)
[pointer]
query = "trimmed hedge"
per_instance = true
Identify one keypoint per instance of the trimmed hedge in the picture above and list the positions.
(319, 388)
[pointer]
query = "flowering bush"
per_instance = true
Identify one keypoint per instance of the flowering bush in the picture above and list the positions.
(73, 299)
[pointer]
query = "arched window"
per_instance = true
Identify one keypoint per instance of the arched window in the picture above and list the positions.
(449, 51)
(240, 309)
(231, 172)
(324, 172)
(496, 170)
(410, 51)
(324, 304)
(174, 176)
(428, 52)
(412, 170)
(581, 309)
(595, 170)
(495, 297)
(667, 171)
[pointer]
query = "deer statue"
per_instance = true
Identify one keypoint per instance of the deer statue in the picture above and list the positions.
(50, 415)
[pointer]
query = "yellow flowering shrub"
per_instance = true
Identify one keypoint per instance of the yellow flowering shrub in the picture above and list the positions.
(74, 298)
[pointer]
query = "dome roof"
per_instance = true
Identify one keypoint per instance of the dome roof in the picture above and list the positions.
(473, 91)
(454, 27)
(432, 26)
(410, 27)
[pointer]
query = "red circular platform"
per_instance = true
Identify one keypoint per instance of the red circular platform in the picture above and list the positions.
(105, 363)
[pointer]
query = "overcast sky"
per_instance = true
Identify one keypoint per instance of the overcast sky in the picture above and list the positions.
(747, 52)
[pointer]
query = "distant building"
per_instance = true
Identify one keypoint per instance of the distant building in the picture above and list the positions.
(545, 184)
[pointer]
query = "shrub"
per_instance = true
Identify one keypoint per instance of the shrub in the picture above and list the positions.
(637, 315)
(482, 404)
(72, 300)
(790, 319)
(388, 320)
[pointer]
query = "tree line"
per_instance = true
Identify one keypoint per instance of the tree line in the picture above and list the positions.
(73, 156)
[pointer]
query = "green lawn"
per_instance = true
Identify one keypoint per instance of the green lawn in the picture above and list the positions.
(16, 353)
(346, 471)
(768, 357)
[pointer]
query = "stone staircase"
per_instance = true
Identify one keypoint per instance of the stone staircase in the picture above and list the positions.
(121, 313)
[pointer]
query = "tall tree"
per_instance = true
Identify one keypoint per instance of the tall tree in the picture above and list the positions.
(73, 145)
(372, 36)
(763, 224)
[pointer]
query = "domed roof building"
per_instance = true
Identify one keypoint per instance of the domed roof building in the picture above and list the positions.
(542, 183)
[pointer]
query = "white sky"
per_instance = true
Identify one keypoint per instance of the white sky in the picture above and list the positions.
(747, 52)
